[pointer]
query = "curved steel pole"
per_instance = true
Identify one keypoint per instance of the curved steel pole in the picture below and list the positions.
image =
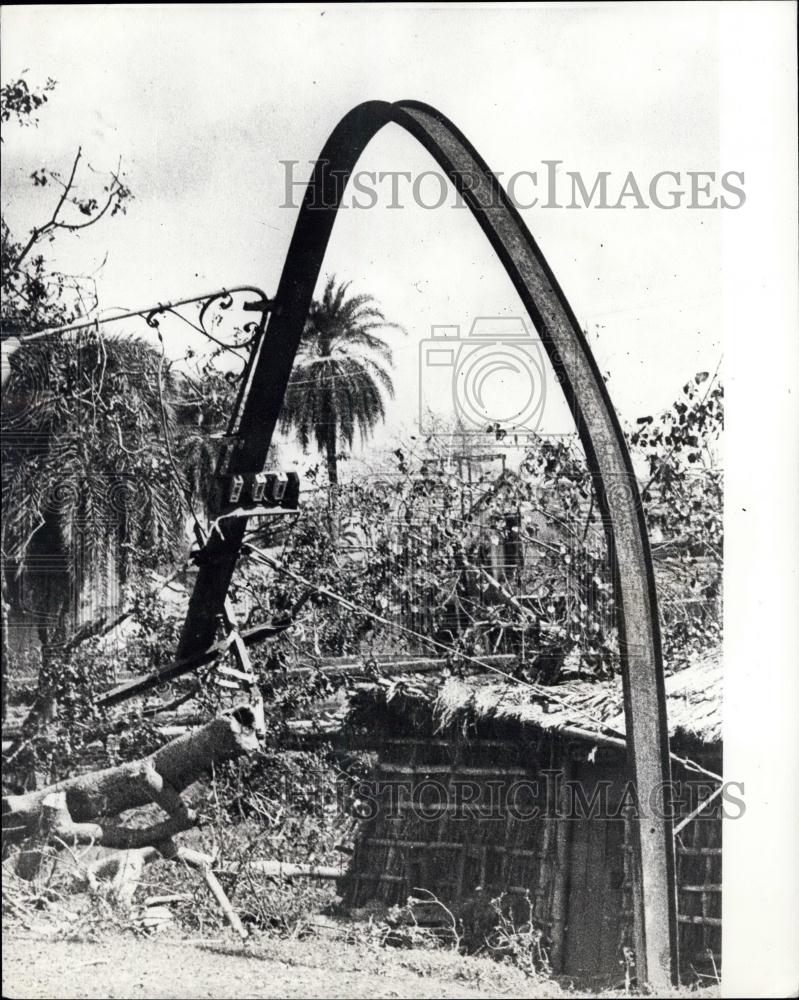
(601, 436)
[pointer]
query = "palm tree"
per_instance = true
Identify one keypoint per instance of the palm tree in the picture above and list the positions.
(89, 489)
(339, 379)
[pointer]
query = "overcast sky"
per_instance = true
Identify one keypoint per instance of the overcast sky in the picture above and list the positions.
(202, 104)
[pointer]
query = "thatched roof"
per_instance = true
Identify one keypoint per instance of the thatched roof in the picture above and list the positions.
(580, 707)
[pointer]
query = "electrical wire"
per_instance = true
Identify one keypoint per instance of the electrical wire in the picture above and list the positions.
(537, 689)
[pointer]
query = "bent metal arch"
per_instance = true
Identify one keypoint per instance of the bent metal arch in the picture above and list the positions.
(261, 399)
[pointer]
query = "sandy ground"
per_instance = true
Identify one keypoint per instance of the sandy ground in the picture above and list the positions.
(124, 966)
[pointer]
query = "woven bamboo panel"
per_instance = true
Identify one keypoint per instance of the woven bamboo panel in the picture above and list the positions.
(444, 848)
(428, 841)
(698, 860)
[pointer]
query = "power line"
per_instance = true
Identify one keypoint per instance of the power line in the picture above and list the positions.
(538, 689)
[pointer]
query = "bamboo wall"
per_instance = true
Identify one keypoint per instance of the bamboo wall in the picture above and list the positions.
(698, 858)
(450, 853)
(577, 874)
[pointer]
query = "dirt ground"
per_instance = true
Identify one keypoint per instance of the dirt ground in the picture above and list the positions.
(41, 962)
(124, 966)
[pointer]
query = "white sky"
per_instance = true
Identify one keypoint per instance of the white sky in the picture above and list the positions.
(202, 102)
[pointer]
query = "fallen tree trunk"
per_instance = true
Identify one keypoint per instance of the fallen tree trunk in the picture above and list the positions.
(70, 808)
(78, 810)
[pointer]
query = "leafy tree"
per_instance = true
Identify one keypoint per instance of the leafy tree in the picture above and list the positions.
(83, 470)
(684, 502)
(34, 294)
(20, 103)
(509, 561)
(340, 378)
(88, 487)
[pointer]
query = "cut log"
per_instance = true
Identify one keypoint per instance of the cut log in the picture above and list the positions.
(69, 808)
(81, 810)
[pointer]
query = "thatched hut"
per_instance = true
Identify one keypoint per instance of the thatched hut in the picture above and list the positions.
(482, 789)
